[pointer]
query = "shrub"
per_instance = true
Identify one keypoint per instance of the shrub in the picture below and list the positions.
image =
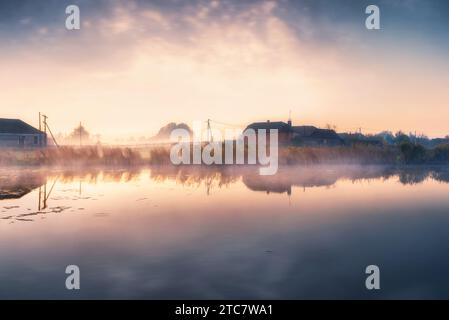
(412, 153)
(441, 153)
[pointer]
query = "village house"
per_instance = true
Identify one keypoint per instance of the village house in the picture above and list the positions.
(313, 136)
(299, 135)
(284, 130)
(15, 133)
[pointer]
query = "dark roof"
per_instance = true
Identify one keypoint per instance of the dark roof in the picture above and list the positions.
(304, 131)
(16, 126)
(325, 134)
(313, 132)
(279, 125)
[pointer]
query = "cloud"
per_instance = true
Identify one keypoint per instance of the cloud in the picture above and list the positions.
(207, 32)
(183, 61)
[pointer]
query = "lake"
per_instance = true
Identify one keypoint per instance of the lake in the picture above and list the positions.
(211, 233)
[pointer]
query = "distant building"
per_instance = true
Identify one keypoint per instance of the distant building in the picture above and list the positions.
(299, 135)
(15, 133)
(312, 136)
(358, 139)
(284, 130)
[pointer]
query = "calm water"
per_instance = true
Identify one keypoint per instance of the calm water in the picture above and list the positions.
(196, 233)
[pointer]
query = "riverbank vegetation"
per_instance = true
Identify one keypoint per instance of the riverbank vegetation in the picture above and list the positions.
(404, 154)
(71, 156)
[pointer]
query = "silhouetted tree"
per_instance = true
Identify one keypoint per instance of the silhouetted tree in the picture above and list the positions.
(79, 132)
(412, 153)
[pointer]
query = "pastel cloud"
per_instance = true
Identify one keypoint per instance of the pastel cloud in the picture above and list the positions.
(134, 68)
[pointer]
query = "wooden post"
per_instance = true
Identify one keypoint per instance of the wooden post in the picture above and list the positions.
(45, 123)
(40, 193)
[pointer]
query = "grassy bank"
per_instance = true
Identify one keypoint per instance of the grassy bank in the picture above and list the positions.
(71, 156)
(405, 153)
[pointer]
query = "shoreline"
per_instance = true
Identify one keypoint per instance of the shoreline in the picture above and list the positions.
(109, 156)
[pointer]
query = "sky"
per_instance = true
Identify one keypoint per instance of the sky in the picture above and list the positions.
(136, 65)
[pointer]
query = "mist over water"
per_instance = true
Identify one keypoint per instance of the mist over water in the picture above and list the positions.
(185, 232)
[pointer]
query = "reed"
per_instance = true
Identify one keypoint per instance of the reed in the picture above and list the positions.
(71, 156)
(406, 153)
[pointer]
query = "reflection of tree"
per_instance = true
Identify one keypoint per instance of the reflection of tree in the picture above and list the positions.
(287, 177)
(211, 177)
(413, 177)
(16, 184)
(308, 177)
(441, 175)
(416, 175)
(94, 175)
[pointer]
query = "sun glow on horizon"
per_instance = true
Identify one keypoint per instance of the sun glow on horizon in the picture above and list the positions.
(132, 70)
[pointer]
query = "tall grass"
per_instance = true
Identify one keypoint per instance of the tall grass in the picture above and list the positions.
(406, 153)
(308, 155)
(71, 156)
(358, 154)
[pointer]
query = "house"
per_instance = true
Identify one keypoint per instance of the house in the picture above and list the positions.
(313, 136)
(15, 133)
(284, 129)
(358, 139)
(299, 135)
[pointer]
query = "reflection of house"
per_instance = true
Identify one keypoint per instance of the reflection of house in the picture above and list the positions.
(15, 193)
(267, 184)
(15, 133)
(284, 180)
(13, 186)
(299, 135)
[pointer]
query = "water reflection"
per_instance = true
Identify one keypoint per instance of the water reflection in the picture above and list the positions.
(15, 184)
(185, 232)
(18, 183)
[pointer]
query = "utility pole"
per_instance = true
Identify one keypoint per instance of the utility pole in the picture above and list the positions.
(45, 123)
(45, 127)
(40, 129)
(80, 133)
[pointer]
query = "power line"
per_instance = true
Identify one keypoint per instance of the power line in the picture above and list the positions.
(226, 124)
